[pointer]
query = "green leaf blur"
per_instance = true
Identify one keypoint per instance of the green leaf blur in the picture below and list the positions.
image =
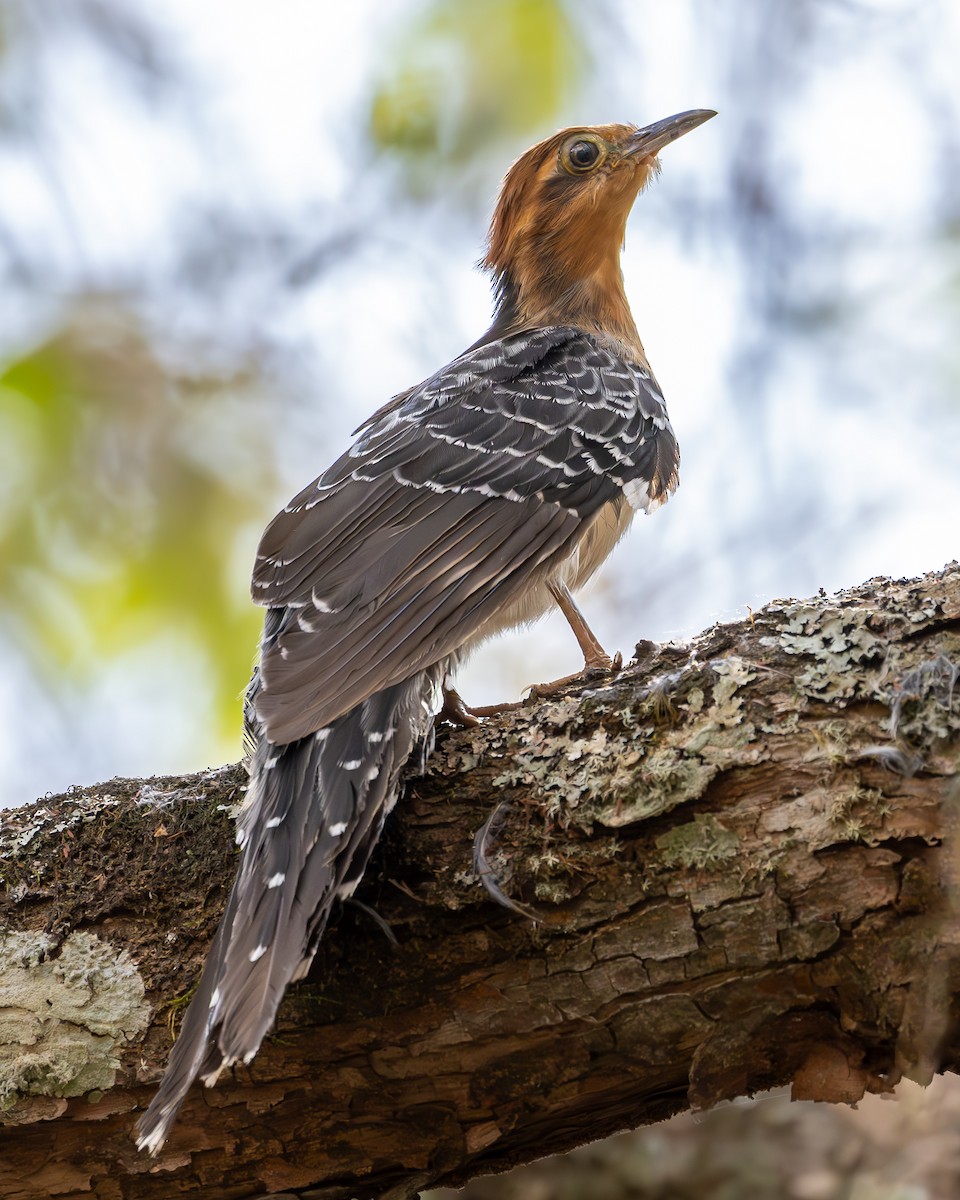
(126, 489)
(464, 75)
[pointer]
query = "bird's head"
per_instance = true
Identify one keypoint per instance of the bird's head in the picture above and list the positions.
(559, 224)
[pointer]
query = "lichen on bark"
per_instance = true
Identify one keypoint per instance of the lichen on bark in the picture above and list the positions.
(66, 1016)
(742, 855)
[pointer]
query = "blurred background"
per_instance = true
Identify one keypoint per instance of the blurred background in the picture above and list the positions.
(229, 232)
(227, 235)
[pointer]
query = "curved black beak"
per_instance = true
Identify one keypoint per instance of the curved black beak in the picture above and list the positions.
(651, 139)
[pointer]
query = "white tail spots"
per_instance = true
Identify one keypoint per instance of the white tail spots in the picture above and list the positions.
(322, 734)
(256, 955)
(215, 998)
(153, 1141)
(374, 737)
(276, 880)
(211, 1077)
(373, 773)
(271, 762)
(274, 822)
(351, 764)
(338, 829)
(241, 837)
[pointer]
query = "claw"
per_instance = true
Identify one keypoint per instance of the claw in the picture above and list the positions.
(457, 712)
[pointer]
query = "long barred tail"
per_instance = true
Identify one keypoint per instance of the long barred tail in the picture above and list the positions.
(313, 813)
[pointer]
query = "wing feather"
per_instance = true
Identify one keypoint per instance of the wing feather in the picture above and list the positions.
(452, 500)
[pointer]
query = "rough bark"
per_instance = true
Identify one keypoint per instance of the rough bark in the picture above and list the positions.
(741, 853)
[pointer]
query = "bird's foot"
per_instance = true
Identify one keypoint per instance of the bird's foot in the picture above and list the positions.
(596, 667)
(468, 716)
(457, 712)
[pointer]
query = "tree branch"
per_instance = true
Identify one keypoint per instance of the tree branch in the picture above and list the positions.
(741, 854)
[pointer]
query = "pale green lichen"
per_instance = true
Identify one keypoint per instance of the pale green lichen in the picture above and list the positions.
(782, 723)
(65, 1017)
(859, 812)
(666, 780)
(720, 733)
(832, 640)
(641, 765)
(732, 673)
(698, 843)
(695, 701)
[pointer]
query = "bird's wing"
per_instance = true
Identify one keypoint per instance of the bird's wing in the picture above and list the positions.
(451, 500)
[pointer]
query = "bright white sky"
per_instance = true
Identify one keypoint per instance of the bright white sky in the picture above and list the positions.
(284, 80)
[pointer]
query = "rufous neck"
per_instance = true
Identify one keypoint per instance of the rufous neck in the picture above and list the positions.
(594, 301)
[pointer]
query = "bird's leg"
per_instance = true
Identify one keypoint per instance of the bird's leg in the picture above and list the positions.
(595, 658)
(595, 661)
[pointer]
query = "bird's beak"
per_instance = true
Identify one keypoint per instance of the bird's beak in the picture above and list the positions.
(650, 140)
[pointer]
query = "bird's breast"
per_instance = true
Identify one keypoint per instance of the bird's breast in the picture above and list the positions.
(597, 539)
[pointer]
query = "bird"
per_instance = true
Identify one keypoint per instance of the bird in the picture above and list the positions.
(469, 504)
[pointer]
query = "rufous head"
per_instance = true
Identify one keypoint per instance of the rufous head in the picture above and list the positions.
(560, 220)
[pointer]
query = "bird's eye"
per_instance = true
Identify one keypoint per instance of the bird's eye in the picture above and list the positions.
(582, 155)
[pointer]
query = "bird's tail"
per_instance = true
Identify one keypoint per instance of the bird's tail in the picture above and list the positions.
(313, 813)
